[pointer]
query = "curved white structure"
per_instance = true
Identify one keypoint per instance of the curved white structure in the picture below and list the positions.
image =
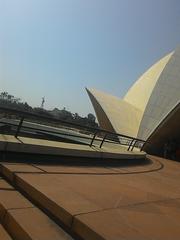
(147, 102)
(115, 114)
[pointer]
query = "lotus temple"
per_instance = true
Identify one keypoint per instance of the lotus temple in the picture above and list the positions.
(150, 110)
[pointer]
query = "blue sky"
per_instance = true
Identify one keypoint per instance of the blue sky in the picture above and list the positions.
(56, 48)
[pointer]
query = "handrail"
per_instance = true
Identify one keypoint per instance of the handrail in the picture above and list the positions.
(25, 114)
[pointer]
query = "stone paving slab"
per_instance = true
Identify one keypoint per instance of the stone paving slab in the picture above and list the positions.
(105, 225)
(3, 234)
(8, 169)
(169, 167)
(70, 167)
(32, 224)
(76, 194)
(12, 200)
(154, 166)
(155, 221)
(105, 190)
(21, 167)
(75, 169)
(62, 201)
(71, 193)
(161, 187)
(110, 207)
(4, 185)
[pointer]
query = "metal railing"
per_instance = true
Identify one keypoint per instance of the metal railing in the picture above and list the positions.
(97, 135)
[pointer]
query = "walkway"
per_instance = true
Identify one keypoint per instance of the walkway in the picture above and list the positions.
(71, 201)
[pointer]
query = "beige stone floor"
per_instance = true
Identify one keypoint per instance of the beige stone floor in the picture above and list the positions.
(91, 202)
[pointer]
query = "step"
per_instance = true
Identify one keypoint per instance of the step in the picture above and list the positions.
(3, 234)
(8, 169)
(4, 185)
(33, 224)
(24, 221)
(124, 205)
(12, 200)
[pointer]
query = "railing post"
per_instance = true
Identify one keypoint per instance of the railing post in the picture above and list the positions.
(133, 145)
(142, 147)
(130, 144)
(19, 127)
(103, 140)
(93, 139)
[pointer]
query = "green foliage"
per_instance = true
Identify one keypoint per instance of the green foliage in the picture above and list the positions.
(10, 101)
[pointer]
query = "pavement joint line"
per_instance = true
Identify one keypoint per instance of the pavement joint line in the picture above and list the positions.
(9, 209)
(150, 202)
(7, 189)
(125, 206)
(91, 229)
(90, 173)
(14, 163)
(14, 172)
(38, 168)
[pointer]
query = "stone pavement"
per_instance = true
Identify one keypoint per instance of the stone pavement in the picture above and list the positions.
(3, 234)
(91, 202)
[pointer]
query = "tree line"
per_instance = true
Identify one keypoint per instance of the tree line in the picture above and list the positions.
(11, 101)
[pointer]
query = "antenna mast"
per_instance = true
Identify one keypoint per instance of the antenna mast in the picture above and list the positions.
(43, 101)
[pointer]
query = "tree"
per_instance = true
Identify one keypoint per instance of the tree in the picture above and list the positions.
(27, 107)
(10, 101)
(91, 117)
(4, 95)
(76, 116)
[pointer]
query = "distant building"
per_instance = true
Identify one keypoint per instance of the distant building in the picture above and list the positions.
(146, 105)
